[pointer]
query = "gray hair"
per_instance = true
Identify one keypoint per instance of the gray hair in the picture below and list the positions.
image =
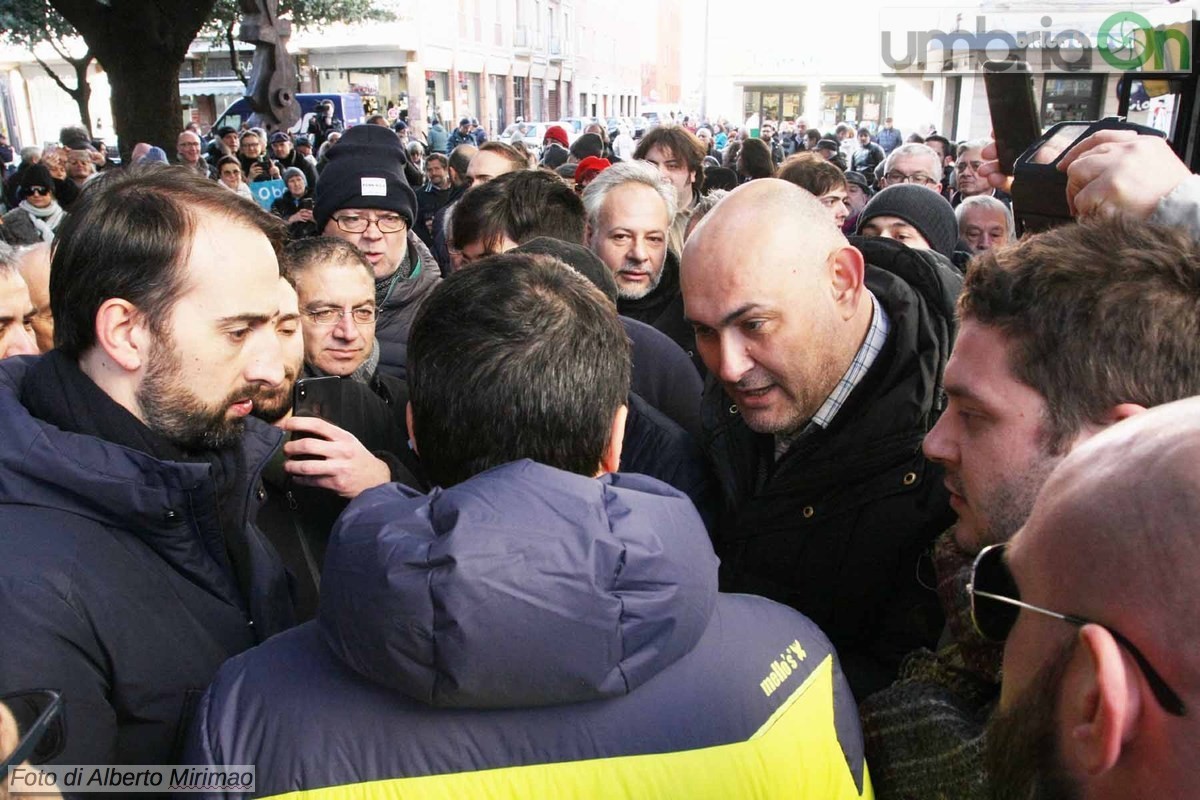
(642, 172)
(974, 144)
(920, 151)
(986, 201)
(8, 260)
(706, 203)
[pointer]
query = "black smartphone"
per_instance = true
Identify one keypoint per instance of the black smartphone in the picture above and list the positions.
(307, 203)
(318, 397)
(1015, 125)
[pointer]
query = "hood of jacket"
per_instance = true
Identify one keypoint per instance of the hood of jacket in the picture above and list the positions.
(523, 586)
(114, 486)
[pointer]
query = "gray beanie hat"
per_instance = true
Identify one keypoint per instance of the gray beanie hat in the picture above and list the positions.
(291, 172)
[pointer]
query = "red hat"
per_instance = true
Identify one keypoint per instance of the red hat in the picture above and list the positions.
(558, 133)
(591, 166)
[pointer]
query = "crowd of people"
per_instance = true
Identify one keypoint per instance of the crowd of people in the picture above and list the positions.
(602, 471)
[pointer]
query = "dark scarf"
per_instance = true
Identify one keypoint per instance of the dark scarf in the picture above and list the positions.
(410, 262)
(649, 308)
(56, 391)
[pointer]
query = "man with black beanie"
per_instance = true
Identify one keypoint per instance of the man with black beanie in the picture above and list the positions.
(364, 198)
(911, 214)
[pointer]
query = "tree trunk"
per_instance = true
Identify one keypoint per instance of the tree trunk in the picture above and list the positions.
(141, 44)
(145, 101)
(83, 91)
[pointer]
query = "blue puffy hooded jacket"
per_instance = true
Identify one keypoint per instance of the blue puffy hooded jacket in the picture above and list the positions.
(535, 633)
(116, 587)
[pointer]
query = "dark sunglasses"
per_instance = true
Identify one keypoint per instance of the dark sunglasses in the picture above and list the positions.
(996, 603)
(41, 724)
(40, 191)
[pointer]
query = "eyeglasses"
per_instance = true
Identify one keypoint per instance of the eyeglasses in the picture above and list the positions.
(363, 315)
(40, 191)
(996, 604)
(356, 223)
(963, 165)
(42, 727)
(896, 176)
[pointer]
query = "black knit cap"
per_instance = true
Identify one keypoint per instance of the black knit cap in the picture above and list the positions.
(365, 169)
(37, 175)
(924, 209)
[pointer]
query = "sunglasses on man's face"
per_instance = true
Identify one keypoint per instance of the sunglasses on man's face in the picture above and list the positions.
(40, 724)
(996, 603)
(40, 191)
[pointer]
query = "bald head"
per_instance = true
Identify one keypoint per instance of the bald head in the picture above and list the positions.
(754, 209)
(1112, 539)
(1129, 497)
(779, 309)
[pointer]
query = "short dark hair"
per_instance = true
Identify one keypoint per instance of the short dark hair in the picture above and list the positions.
(521, 357)
(439, 158)
(680, 143)
(129, 236)
(813, 173)
(460, 159)
(301, 255)
(1099, 313)
(589, 144)
(521, 205)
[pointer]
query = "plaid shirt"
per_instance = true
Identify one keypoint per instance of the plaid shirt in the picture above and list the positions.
(876, 338)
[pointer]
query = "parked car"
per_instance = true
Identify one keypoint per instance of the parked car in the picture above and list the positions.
(531, 133)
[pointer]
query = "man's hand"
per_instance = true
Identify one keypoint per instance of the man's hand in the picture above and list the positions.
(255, 170)
(274, 169)
(342, 464)
(1121, 171)
(989, 170)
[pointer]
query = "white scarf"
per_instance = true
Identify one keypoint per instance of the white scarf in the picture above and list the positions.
(44, 219)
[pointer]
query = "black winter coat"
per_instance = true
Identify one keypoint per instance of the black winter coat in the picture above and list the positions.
(399, 308)
(663, 309)
(839, 527)
(123, 581)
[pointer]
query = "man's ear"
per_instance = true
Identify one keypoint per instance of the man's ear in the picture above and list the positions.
(408, 420)
(610, 461)
(123, 334)
(1099, 702)
(847, 272)
(1119, 412)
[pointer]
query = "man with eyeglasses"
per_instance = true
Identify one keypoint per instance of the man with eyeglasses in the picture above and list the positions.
(359, 444)
(967, 180)
(188, 153)
(1097, 596)
(1061, 336)
(913, 163)
(363, 198)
